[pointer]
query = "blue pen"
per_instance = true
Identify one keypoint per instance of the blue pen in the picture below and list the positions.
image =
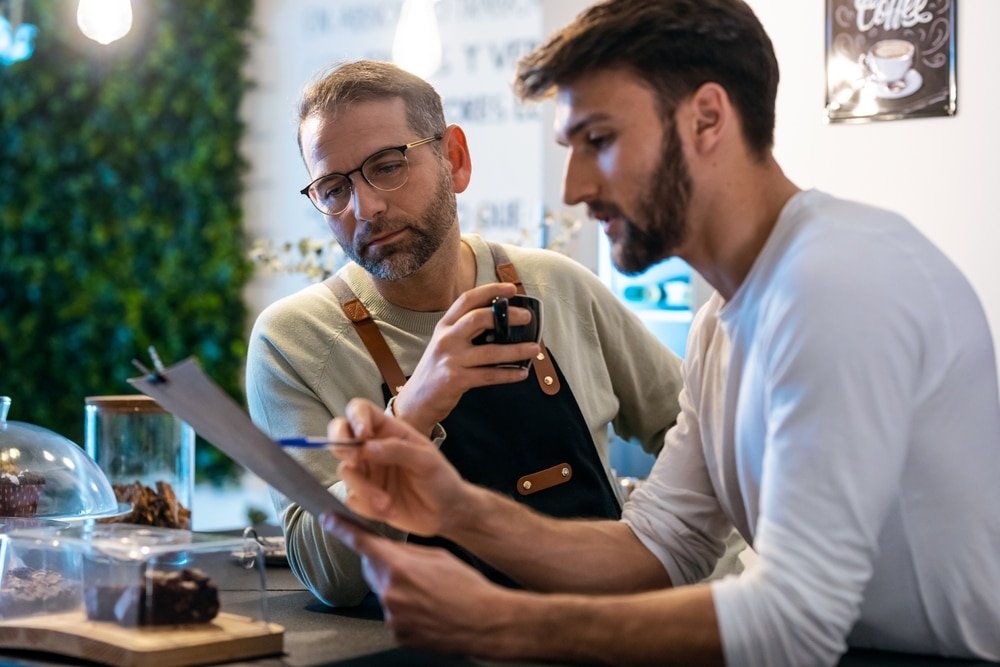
(318, 441)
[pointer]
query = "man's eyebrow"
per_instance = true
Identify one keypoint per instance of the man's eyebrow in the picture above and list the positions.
(579, 126)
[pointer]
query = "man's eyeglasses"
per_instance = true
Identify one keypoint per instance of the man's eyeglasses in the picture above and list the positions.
(386, 170)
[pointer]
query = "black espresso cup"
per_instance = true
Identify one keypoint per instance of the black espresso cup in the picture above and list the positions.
(503, 333)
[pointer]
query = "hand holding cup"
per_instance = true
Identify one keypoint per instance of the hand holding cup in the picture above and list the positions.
(503, 333)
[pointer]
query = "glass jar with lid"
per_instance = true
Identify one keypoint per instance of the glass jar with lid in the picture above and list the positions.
(147, 454)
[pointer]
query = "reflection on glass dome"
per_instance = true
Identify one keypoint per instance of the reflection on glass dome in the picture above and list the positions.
(44, 475)
(10, 524)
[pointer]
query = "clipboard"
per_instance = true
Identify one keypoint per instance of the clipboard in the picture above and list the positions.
(184, 390)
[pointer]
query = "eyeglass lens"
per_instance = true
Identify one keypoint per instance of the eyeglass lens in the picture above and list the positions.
(385, 171)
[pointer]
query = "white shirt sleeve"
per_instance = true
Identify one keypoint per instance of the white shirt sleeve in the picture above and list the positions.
(830, 382)
(676, 513)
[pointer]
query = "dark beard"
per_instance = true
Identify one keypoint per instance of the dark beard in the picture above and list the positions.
(662, 206)
(427, 236)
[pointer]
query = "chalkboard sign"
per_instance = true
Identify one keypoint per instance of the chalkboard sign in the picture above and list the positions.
(890, 59)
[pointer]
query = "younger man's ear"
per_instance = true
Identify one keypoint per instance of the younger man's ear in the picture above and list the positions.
(711, 115)
(456, 152)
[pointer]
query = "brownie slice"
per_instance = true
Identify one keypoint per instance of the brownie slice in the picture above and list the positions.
(165, 598)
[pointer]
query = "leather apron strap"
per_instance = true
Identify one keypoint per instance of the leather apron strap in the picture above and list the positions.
(545, 372)
(369, 333)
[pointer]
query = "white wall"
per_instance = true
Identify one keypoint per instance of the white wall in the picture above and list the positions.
(942, 173)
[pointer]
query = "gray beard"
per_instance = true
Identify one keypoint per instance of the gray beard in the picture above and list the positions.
(402, 262)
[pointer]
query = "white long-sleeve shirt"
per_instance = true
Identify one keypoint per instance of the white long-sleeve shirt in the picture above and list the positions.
(841, 410)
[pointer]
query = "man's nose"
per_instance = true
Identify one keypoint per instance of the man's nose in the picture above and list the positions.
(579, 182)
(368, 201)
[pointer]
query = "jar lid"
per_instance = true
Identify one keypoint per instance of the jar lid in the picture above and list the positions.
(126, 403)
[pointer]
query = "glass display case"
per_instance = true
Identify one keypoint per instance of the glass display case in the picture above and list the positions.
(139, 594)
(46, 476)
(133, 576)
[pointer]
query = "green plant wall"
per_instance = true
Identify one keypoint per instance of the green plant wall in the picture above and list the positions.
(120, 217)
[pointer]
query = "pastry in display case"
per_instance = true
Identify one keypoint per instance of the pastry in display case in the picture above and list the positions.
(165, 595)
(116, 593)
(19, 490)
(35, 581)
(46, 476)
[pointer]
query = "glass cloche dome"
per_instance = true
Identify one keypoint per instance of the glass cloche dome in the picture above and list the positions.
(46, 476)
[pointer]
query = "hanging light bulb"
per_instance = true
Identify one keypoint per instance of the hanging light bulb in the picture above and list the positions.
(417, 46)
(104, 21)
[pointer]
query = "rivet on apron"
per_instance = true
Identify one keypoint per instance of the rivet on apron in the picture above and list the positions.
(399, 389)
(548, 380)
(526, 484)
(540, 357)
(565, 472)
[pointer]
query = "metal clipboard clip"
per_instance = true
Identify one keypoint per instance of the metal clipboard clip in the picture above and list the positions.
(156, 375)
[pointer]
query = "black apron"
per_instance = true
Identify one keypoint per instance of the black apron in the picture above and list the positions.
(527, 440)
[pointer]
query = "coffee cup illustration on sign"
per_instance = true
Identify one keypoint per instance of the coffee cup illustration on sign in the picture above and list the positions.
(890, 62)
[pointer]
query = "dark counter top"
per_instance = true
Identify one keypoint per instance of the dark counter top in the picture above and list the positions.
(316, 634)
(319, 635)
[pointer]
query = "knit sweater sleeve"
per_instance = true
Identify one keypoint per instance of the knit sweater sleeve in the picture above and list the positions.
(293, 346)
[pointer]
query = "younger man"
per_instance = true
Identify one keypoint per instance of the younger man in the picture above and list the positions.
(840, 403)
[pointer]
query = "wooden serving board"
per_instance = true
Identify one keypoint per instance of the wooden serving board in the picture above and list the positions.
(228, 637)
